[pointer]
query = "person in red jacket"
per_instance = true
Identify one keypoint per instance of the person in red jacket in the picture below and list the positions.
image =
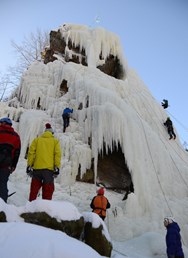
(100, 203)
(10, 146)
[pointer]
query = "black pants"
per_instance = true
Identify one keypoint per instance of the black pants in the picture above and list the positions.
(4, 176)
(171, 132)
(66, 119)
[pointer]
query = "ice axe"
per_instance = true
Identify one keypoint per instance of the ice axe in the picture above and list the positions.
(11, 194)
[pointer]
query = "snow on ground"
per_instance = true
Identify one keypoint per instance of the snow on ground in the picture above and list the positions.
(23, 240)
(30, 241)
(131, 237)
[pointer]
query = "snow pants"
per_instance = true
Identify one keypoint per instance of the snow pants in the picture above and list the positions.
(4, 176)
(42, 178)
(66, 120)
(171, 132)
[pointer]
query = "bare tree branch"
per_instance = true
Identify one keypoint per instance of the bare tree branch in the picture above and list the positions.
(27, 52)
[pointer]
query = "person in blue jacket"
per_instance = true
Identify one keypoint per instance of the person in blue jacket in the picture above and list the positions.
(173, 239)
(66, 117)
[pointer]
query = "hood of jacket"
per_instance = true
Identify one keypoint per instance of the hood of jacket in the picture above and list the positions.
(174, 226)
(47, 134)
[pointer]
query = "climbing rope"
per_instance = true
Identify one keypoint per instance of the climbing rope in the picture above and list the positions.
(155, 169)
(119, 252)
(158, 176)
(166, 201)
(174, 161)
(183, 126)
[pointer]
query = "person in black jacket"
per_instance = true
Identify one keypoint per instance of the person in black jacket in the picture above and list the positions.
(173, 239)
(10, 146)
(164, 103)
(170, 128)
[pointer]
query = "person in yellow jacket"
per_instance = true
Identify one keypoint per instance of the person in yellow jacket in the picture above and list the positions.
(43, 164)
(100, 203)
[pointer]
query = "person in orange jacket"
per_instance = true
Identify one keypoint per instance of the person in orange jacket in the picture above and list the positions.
(43, 164)
(100, 203)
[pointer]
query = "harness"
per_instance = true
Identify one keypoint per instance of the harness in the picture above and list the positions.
(100, 203)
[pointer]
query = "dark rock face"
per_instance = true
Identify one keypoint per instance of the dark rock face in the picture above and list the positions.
(92, 236)
(58, 45)
(63, 88)
(3, 217)
(95, 238)
(71, 228)
(49, 56)
(112, 170)
(88, 177)
(56, 42)
(111, 66)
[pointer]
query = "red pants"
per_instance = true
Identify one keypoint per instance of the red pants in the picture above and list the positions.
(42, 178)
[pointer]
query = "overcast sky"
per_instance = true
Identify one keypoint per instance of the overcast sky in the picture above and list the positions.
(153, 34)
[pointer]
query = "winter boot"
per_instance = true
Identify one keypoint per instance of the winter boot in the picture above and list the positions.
(170, 137)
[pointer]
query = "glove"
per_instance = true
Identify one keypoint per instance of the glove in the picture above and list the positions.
(29, 171)
(11, 169)
(56, 172)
